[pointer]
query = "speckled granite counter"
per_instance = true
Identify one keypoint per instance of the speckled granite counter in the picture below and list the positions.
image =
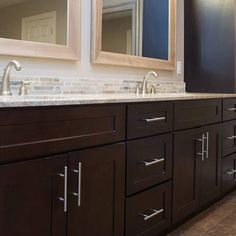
(32, 101)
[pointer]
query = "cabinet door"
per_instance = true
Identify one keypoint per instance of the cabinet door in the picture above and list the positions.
(185, 176)
(29, 198)
(96, 191)
(210, 175)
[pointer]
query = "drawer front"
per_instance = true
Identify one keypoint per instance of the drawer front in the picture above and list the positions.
(229, 109)
(149, 162)
(229, 137)
(33, 132)
(149, 213)
(149, 119)
(228, 172)
(190, 114)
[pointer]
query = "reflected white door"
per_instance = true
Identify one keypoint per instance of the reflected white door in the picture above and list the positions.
(40, 28)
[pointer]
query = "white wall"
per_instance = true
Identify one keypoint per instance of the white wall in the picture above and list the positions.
(84, 69)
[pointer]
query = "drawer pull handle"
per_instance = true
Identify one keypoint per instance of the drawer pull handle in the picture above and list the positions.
(65, 176)
(149, 120)
(202, 140)
(207, 145)
(231, 137)
(155, 213)
(231, 109)
(78, 194)
(231, 172)
(153, 162)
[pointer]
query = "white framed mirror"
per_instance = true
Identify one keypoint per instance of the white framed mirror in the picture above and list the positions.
(45, 28)
(139, 33)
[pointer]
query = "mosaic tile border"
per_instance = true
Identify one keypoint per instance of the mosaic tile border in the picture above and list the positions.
(65, 86)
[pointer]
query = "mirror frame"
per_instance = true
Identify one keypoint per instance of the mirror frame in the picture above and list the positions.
(108, 58)
(71, 51)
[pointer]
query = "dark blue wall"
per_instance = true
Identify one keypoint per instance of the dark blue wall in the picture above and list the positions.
(156, 29)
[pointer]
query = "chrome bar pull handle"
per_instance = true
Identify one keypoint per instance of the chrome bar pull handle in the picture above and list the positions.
(155, 213)
(79, 184)
(231, 137)
(231, 109)
(149, 120)
(231, 172)
(153, 162)
(207, 145)
(202, 153)
(65, 176)
(78, 194)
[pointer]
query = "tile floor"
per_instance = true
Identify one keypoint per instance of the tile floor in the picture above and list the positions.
(219, 220)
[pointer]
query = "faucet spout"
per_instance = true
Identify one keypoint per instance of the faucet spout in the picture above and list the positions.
(145, 81)
(5, 87)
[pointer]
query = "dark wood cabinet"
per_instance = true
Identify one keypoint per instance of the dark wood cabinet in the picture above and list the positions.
(229, 137)
(191, 114)
(229, 109)
(210, 170)
(197, 165)
(229, 173)
(209, 46)
(96, 191)
(35, 199)
(29, 198)
(149, 119)
(120, 169)
(185, 180)
(149, 162)
(27, 133)
(149, 213)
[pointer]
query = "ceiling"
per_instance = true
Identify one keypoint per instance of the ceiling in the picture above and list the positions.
(6, 3)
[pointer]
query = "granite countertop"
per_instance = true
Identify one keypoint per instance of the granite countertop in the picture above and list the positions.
(61, 100)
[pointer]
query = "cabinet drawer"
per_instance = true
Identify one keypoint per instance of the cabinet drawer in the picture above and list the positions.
(190, 114)
(229, 109)
(228, 172)
(149, 119)
(149, 162)
(229, 137)
(149, 213)
(33, 132)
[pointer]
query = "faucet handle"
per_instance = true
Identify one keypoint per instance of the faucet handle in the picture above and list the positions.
(23, 88)
(152, 90)
(138, 88)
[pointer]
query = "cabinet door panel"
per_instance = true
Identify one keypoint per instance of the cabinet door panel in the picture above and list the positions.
(29, 193)
(149, 213)
(149, 119)
(101, 210)
(195, 113)
(229, 134)
(228, 172)
(185, 178)
(229, 111)
(141, 173)
(210, 183)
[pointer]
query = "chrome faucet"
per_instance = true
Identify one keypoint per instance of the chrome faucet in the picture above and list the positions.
(145, 80)
(5, 88)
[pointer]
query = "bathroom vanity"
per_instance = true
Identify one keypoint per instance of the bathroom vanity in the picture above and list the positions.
(113, 166)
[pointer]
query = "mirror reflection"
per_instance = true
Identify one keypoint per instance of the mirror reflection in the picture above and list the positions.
(136, 27)
(34, 20)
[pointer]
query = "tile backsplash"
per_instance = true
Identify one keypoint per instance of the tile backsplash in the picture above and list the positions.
(64, 86)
